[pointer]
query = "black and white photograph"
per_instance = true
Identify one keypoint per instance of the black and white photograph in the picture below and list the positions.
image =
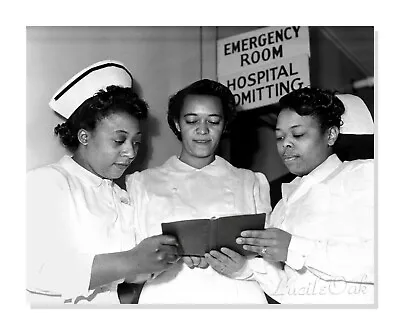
(200, 166)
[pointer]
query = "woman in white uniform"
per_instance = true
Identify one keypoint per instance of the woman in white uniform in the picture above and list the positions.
(81, 235)
(198, 184)
(322, 230)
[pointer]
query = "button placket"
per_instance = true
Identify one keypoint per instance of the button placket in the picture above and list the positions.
(112, 203)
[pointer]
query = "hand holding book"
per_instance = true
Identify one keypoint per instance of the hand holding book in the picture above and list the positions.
(199, 236)
(226, 262)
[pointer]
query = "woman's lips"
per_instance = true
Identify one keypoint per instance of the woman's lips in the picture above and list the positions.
(122, 165)
(289, 158)
(202, 141)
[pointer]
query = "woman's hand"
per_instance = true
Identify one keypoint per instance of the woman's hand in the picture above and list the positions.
(155, 254)
(226, 263)
(271, 243)
(194, 261)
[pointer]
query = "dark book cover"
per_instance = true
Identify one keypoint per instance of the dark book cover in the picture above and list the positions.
(199, 236)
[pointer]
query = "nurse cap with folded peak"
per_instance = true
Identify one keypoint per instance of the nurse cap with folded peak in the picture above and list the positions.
(357, 118)
(87, 83)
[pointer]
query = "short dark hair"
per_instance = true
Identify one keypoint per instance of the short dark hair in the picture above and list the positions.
(202, 87)
(318, 103)
(113, 99)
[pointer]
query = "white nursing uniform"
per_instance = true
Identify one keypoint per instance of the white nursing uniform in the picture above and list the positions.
(330, 213)
(73, 215)
(176, 191)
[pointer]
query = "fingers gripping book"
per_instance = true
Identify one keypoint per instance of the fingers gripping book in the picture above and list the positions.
(199, 236)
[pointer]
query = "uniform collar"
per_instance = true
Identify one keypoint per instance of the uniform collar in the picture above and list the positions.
(81, 172)
(175, 164)
(299, 184)
(324, 169)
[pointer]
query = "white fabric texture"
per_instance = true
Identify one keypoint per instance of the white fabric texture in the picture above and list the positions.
(176, 191)
(72, 215)
(330, 214)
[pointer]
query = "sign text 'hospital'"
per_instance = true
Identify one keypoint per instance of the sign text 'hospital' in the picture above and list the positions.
(266, 85)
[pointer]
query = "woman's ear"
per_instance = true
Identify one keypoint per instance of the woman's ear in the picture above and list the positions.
(333, 134)
(83, 136)
(177, 125)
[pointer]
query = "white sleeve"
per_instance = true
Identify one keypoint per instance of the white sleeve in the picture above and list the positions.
(261, 194)
(349, 257)
(298, 250)
(55, 266)
(245, 273)
(269, 275)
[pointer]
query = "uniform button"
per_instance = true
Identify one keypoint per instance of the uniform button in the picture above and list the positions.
(124, 200)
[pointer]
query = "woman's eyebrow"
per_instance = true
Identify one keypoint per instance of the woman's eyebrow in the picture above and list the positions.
(125, 132)
(294, 126)
(208, 115)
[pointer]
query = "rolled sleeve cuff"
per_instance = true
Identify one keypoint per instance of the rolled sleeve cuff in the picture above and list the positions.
(80, 281)
(245, 273)
(68, 278)
(298, 251)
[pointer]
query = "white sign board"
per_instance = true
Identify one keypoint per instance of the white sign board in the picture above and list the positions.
(262, 65)
(266, 85)
(261, 46)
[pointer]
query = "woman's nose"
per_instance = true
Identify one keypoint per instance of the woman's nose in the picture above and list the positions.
(130, 150)
(286, 142)
(203, 128)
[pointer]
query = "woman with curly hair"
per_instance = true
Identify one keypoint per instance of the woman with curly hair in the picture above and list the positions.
(322, 230)
(81, 238)
(198, 184)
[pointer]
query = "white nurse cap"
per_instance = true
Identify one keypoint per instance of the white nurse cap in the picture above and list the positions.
(87, 83)
(356, 118)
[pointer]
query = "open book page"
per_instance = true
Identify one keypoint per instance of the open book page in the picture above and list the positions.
(193, 236)
(229, 228)
(198, 236)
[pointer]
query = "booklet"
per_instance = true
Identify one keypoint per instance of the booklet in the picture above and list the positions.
(199, 236)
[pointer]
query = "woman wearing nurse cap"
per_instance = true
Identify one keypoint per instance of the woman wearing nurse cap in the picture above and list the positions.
(322, 229)
(81, 239)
